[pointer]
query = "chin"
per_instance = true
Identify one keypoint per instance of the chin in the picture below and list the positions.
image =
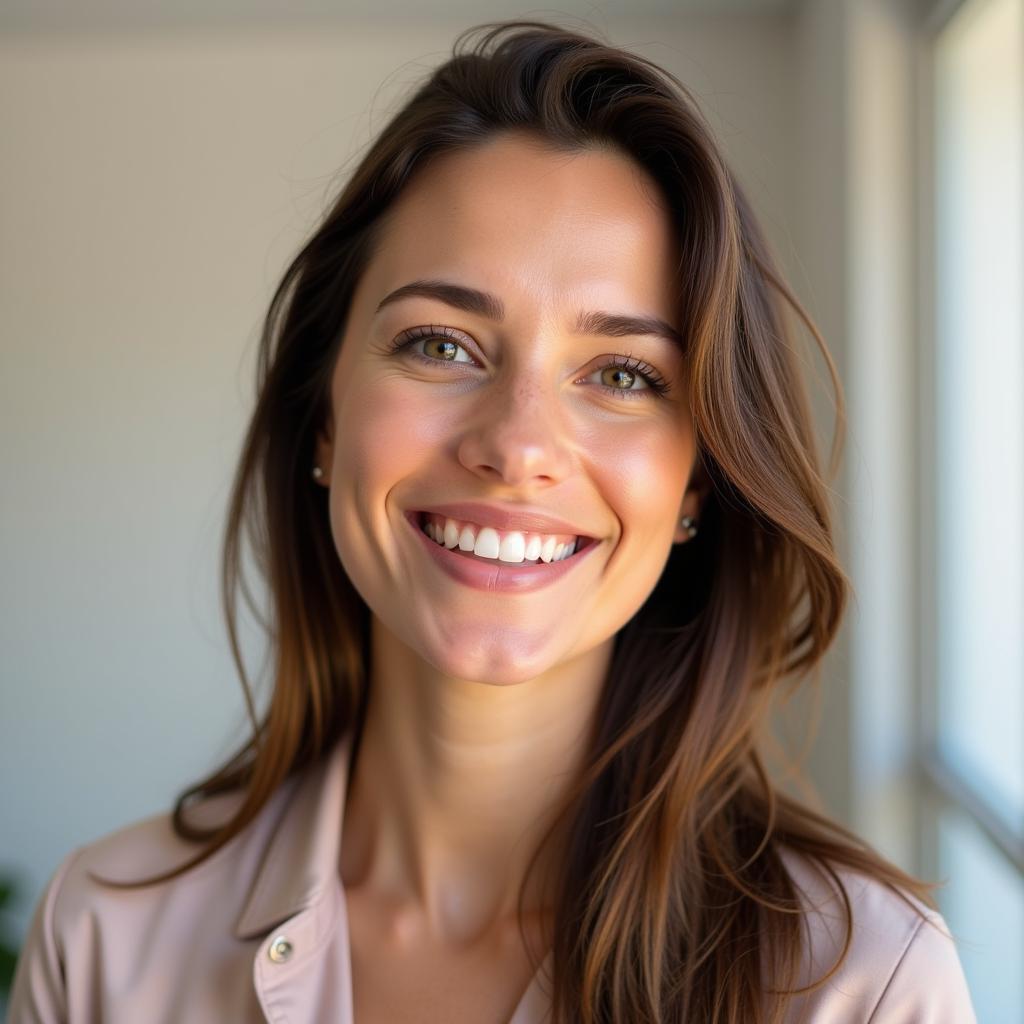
(499, 656)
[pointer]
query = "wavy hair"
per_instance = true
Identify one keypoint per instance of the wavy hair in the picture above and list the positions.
(675, 903)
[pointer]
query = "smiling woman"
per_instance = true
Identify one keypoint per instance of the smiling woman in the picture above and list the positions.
(532, 481)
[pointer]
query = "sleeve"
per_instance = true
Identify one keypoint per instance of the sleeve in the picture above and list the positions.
(38, 994)
(928, 985)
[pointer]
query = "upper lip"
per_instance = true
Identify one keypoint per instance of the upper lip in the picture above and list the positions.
(505, 518)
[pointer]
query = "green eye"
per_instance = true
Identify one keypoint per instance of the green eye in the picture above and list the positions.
(446, 349)
(625, 369)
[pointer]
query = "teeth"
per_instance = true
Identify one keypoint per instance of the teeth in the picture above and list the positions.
(514, 547)
(487, 543)
(547, 552)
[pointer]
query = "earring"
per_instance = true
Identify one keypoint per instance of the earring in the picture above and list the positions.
(689, 524)
(317, 472)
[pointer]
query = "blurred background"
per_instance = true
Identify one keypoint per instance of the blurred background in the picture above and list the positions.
(161, 163)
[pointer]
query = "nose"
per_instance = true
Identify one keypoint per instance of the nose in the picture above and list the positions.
(517, 436)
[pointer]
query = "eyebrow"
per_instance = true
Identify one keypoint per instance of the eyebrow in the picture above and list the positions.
(472, 300)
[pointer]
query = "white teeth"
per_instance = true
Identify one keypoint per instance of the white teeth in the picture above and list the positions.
(513, 548)
(487, 543)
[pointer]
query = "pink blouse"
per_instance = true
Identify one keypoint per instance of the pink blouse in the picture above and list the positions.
(259, 932)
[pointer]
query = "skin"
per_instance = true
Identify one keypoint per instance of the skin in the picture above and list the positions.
(481, 702)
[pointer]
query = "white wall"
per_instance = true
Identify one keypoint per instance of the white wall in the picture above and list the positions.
(152, 187)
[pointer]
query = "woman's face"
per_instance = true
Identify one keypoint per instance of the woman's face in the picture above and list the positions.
(441, 396)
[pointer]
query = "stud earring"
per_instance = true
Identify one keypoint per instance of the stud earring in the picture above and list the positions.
(317, 472)
(689, 524)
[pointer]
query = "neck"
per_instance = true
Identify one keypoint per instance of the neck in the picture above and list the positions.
(457, 782)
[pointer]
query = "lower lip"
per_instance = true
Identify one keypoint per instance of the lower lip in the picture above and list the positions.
(499, 577)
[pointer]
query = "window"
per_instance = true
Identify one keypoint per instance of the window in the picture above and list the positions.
(973, 550)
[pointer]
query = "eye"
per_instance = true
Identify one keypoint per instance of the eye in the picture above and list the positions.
(618, 377)
(441, 344)
(622, 373)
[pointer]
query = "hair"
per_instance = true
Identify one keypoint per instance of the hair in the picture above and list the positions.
(674, 882)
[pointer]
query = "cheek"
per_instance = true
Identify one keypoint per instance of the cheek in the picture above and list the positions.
(386, 434)
(386, 431)
(368, 453)
(642, 474)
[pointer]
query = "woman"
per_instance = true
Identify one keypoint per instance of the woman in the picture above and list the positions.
(532, 481)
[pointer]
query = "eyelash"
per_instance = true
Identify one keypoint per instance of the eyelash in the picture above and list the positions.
(656, 383)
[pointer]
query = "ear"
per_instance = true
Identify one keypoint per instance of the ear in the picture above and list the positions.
(694, 499)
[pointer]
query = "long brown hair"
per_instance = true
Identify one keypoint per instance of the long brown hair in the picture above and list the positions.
(674, 881)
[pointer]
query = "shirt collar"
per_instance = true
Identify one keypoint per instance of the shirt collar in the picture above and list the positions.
(301, 867)
(301, 862)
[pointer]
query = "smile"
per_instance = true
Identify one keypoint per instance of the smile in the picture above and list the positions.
(492, 560)
(512, 546)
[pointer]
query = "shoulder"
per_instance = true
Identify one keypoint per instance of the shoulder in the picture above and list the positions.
(86, 937)
(150, 847)
(134, 852)
(901, 964)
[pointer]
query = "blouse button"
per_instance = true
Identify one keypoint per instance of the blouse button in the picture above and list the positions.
(280, 950)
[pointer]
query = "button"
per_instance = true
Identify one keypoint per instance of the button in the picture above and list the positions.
(280, 950)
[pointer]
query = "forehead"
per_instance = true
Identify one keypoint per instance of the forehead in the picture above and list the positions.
(522, 219)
